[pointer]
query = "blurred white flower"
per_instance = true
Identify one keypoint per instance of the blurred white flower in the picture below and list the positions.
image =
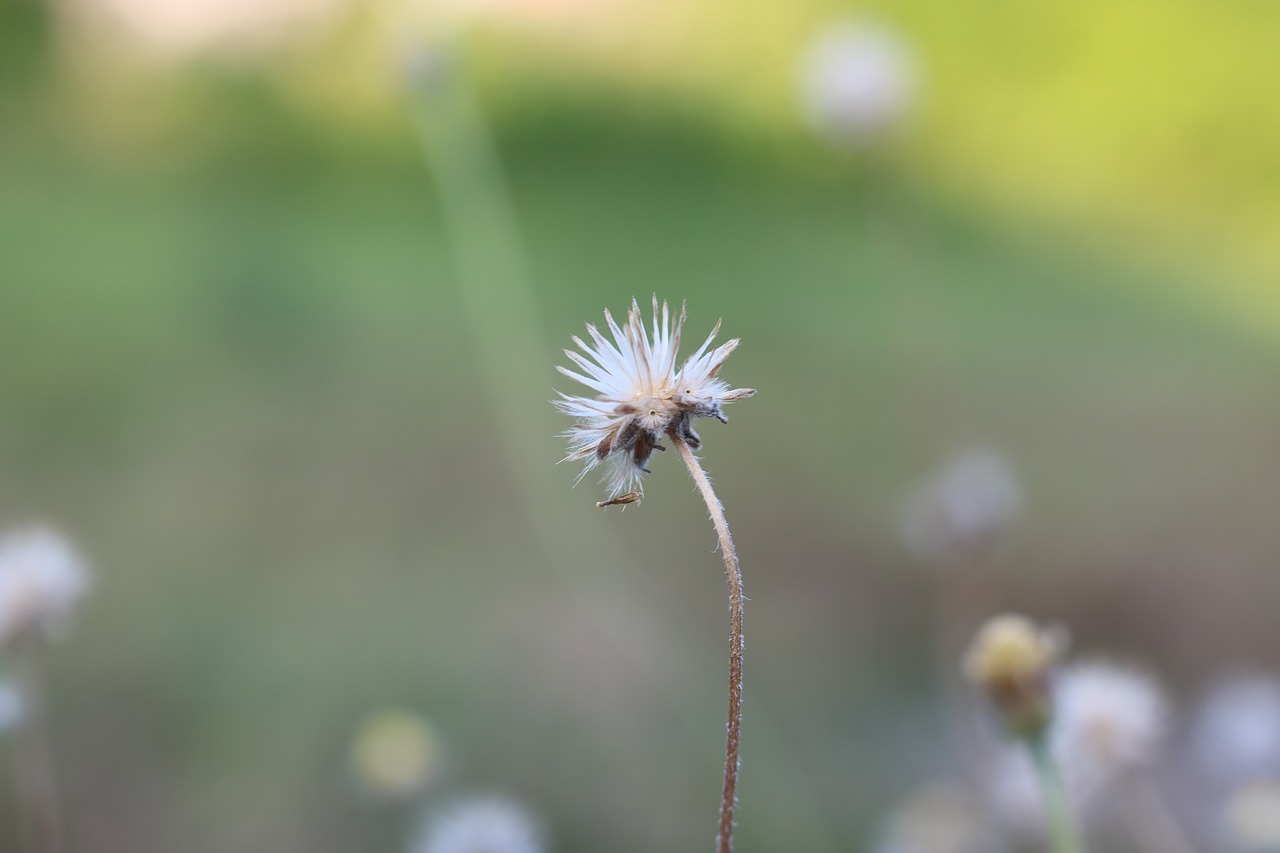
(642, 397)
(42, 578)
(939, 818)
(1236, 734)
(1252, 818)
(1108, 720)
(12, 706)
(395, 753)
(1013, 794)
(857, 81)
(490, 825)
(962, 509)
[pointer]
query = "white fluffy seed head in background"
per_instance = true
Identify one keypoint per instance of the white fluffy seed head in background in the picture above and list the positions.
(962, 509)
(939, 818)
(1251, 818)
(42, 579)
(642, 396)
(1236, 733)
(1108, 720)
(858, 80)
(487, 825)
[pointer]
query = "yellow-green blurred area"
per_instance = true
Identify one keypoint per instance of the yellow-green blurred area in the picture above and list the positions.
(239, 365)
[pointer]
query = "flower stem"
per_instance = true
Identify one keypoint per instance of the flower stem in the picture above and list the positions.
(39, 805)
(1062, 826)
(724, 838)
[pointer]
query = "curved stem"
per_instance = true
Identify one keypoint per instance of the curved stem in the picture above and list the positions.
(724, 838)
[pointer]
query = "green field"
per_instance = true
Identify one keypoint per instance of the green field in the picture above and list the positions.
(245, 384)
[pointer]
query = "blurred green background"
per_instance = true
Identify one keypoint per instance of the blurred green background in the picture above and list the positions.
(238, 366)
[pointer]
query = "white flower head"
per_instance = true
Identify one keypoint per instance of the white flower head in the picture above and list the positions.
(857, 81)
(1251, 819)
(42, 578)
(1236, 733)
(642, 396)
(939, 818)
(1108, 720)
(962, 508)
(490, 825)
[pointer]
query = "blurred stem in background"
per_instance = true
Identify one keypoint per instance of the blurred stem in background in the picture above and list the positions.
(1148, 817)
(1063, 833)
(501, 313)
(937, 423)
(41, 828)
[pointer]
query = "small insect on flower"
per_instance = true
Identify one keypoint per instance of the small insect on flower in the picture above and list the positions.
(641, 395)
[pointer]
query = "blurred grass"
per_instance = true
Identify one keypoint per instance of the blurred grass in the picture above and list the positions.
(244, 385)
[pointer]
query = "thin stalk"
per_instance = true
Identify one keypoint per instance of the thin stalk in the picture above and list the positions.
(733, 574)
(500, 308)
(1062, 825)
(34, 766)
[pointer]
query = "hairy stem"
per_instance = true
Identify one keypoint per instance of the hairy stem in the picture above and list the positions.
(1063, 833)
(724, 838)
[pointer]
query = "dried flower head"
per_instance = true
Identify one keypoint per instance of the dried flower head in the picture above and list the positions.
(41, 580)
(490, 825)
(960, 511)
(1012, 659)
(1108, 720)
(857, 81)
(641, 395)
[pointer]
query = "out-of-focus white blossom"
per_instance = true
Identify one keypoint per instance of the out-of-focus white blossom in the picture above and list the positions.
(961, 510)
(1108, 720)
(42, 578)
(1236, 734)
(188, 27)
(939, 818)
(490, 825)
(857, 81)
(1251, 819)
(1013, 794)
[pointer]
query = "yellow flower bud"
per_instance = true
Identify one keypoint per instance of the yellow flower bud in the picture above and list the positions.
(1011, 660)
